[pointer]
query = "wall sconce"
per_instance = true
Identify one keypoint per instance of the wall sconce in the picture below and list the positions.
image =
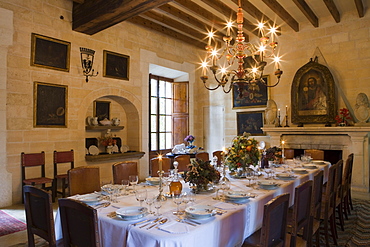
(87, 61)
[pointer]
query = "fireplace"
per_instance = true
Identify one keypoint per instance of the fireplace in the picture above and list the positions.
(337, 142)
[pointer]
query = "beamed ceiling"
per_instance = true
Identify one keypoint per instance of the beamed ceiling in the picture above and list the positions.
(188, 20)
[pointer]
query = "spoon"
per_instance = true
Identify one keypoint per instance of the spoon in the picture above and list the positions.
(158, 223)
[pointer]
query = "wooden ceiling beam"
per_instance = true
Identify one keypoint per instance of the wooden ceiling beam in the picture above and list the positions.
(333, 10)
(307, 11)
(282, 13)
(360, 8)
(188, 19)
(230, 14)
(94, 16)
(167, 31)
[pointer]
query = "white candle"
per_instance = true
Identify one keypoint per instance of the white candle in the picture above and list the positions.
(160, 162)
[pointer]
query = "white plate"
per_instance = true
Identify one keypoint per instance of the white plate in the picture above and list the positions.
(89, 199)
(319, 162)
(200, 211)
(152, 180)
(124, 148)
(238, 195)
(267, 184)
(93, 150)
(300, 170)
(131, 213)
(115, 148)
(285, 176)
(309, 166)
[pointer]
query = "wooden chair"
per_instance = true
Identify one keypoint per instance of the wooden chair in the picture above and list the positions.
(39, 215)
(339, 194)
(218, 154)
(33, 160)
(202, 156)
(83, 179)
(318, 181)
(79, 223)
(273, 231)
(315, 154)
(122, 171)
(346, 186)
(328, 207)
(62, 157)
(299, 215)
(184, 161)
(154, 166)
(289, 153)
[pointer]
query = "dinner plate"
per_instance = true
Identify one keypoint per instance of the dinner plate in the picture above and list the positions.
(319, 162)
(93, 150)
(89, 199)
(131, 213)
(299, 170)
(237, 195)
(115, 149)
(200, 211)
(285, 176)
(308, 166)
(124, 148)
(268, 185)
(152, 180)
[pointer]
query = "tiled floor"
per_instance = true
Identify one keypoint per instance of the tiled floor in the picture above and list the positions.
(17, 211)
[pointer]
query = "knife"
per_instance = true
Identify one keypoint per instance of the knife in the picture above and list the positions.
(154, 221)
(140, 222)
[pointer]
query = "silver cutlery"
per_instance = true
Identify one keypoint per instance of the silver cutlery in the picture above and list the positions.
(105, 204)
(158, 223)
(153, 221)
(186, 222)
(140, 222)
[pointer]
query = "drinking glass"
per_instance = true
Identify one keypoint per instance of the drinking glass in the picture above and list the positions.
(177, 199)
(134, 179)
(217, 187)
(249, 178)
(191, 196)
(185, 199)
(157, 205)
(149, 200)
(125, 183)
(141, 195)
(224, 186)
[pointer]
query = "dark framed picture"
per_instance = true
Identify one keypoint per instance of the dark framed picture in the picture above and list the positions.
(252, 95)
(250, 122)
(50, 105)
(313, 95)
(116, 65)
(102, 109)
(50, 53)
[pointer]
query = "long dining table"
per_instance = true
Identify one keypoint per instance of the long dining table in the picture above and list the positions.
(230, 227)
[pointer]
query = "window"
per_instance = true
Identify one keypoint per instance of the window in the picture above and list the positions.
(160, 106)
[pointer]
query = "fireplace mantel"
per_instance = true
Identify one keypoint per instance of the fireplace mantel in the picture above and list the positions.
(351, 139)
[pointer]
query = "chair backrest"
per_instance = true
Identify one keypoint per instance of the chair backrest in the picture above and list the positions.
(31, 160)
(329, 199)
(347, 174)
(83, 179)
(39, 215)
(318, 181)
(289, 153)
(63, 157)
(184, 161)
(154, 166)
(202, 156)
(218, 154)
(302, 207)
(79, 223)
(315, 154)
(122, 170)
(273, 232)
(338, 179)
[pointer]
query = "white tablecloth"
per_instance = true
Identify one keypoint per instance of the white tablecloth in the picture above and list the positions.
(228, 229)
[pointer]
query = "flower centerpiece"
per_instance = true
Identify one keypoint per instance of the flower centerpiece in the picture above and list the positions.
(274, 154)
(190, 139)
(343, 117)
(201, 174)
(243, 153)
(108, 142)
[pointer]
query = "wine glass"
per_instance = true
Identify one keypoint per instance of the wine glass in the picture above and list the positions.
(249, 177)
(157, 205)
(177, 199)
(125, 183)
(134, 179)
(141, 195)
(225, 186)
(149, 200)
(191, 196)
(185, 198)
(217, 187)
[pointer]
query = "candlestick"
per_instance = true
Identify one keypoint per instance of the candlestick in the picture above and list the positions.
(161, 197)
(160, 162)
(282, 153)
(286, 116)
(223, 154)
(279, 125)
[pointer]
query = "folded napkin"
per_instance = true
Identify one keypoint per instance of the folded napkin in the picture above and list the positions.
(225, 206)
(174, 227)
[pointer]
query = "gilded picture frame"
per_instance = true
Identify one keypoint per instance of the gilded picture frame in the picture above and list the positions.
(250, 122)
(102, 109)
(50, 53)
(313, 95)
(253, 95)
(50, 105)
(116, 65)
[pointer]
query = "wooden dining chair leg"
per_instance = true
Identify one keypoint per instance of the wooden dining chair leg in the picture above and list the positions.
(350, 199)
(340, 216)
(333, 229)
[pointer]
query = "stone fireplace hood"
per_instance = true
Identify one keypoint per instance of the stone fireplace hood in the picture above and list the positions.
(347, 139)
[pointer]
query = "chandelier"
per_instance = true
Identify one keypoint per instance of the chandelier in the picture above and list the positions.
(243, 62)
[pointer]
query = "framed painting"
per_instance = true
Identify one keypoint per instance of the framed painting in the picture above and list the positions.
(253, 95)
(50, 105)
(250, 122)
(116, 65)
(102, 109)
(313, 95)
(50, 53)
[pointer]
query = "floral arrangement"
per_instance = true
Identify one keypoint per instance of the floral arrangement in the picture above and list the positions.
(189, 138)
(343, 117)
(201, 173)
(107, 141)
(243, 152)
(274, 153)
